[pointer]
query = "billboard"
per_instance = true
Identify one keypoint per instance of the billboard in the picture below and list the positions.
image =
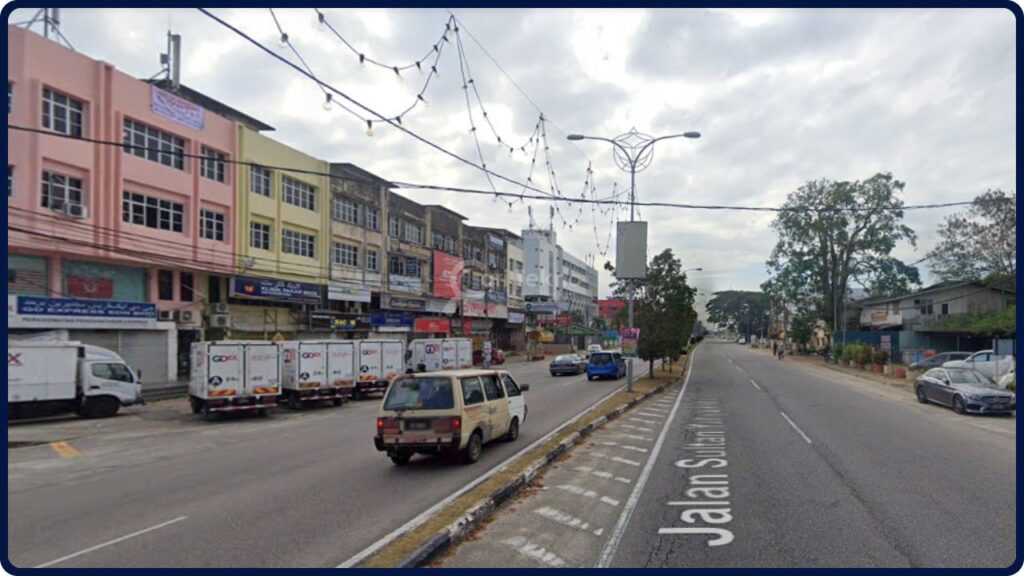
(242, 287)
(631, 250)
(447, 275)
(432, 325)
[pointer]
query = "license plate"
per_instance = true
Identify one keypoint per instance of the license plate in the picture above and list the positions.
(417, 425)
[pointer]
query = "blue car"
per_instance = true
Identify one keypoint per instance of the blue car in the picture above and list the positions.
(606, 364)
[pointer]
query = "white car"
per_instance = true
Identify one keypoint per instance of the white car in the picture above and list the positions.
(594, 348)
(987, 362)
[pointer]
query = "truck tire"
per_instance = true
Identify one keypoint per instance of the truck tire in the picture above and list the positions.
(338, 401)
(101, 407)
(207, 413)
(263, 412)
(294, 401)
(196, 404)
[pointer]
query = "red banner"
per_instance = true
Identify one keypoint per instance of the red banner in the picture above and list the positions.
(447, 275)
(610, 308)
(431, 325)
(82, 287)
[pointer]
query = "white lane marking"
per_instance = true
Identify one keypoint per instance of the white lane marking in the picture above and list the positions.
(634, 448)
(585, 469)
(642, 420)
(535, 552)
(795, 427)
(755, 384)
(111, 542)
(697, 503)
(609, 443)
(615, 539)
(562, 518)
(634, 437)
(602, 474)
(599, 531)
(640, 428)
(623, 480)
(429, 512)
(586, 493)
(610, 501)
(651, 415)
(738, 368)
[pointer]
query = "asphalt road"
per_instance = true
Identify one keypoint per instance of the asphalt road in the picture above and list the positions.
(156, 488)
(816, 469)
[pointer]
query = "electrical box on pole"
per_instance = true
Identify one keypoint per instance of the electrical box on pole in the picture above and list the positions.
(631, 250)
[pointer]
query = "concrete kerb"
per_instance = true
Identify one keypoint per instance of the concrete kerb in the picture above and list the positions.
(457, 531)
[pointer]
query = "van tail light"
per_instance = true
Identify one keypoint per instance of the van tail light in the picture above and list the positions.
(380, 425)
(387, 426)
(448, 425)
(457, 424)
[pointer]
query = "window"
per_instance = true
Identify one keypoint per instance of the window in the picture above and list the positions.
(186, 286)
(213, 289)
(345, 254)
(945, 309)
(259, 181)
(153, 144)
(112, 371)
(451, 245)
(371, 261)
(297, 243)
(413, 233)
(396, 265)
(428, 393)
(393, 227)
(472, 392)
(60, 191)
(211, 225)
(259, 236)
(373, 219)
(164, 285)
(212, 165)
(152, 212)
(510, 386)
(61, 113)
(437, 241)
(298, 193)
(491, 388)
(412, 266)
(345, 210)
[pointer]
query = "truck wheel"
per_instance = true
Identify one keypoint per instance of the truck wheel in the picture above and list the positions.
(102, 407)
(196, 404)
(207, 413)
(338, 401)
(400, 458)
(263, 412)
(474, 448)
(294, 402)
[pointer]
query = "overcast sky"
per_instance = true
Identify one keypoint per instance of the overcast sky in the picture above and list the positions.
(780, 96)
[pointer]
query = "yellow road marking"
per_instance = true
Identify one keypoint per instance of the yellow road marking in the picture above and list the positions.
(64, 449)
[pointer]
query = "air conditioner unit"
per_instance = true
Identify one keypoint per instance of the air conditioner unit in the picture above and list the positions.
(218, 308)
(187, 316)
(75, 211)
(393, 244)
(165, 315)
(220, 321)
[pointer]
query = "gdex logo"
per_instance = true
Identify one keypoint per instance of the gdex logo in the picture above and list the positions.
(224, 358)
(369, 352)
(13, 359)
(308, 355)
(431, 348)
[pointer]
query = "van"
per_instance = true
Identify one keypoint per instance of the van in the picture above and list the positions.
(448, 412)
(606, 364)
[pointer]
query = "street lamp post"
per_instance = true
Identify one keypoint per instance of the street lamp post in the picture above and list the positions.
(633, 153)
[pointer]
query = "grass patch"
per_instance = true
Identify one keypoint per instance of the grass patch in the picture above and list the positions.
(405, 545)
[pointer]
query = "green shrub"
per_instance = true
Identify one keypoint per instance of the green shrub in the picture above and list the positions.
(880, 357)
(864, 355)
(837, 352)
(850, 352)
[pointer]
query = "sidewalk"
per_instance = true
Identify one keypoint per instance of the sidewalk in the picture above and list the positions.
(887, 379)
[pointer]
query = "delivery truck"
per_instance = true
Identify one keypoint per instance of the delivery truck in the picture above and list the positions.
(45, 378)
(233, 376)
(433, 354)
(380, 362)
(317, 371)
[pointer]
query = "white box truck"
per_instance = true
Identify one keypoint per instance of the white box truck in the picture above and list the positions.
(433, 354)
(317, 371)
(232, 376)
(380, 362)
(51, 377)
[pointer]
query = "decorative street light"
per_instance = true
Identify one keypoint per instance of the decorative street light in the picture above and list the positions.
(633, 152)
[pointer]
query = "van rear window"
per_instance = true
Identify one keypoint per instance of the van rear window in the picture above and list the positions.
(420, 394)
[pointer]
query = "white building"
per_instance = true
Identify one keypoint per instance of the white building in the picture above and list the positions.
(553, 274)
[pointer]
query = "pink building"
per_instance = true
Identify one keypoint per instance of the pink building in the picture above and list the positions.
(120, 246)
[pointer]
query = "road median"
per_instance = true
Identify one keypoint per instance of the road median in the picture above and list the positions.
(452, 523)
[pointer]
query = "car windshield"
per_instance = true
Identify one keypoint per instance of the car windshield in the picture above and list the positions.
(565, 358)
(601, 359)
(420, 394)
(969, 377)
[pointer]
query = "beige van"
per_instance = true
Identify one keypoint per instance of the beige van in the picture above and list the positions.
(449, 411)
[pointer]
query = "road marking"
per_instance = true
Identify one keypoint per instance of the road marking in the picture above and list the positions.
(755, 384)
(609, 501)
(535, 552)
(640, 428)
(623, 480)
(634, 448)
(697, 503)
(627, 511)
(64, 450)
(429, 512)
(795, 427)
(602, 474)
(581, 491)
(111, 542)
(642, 420)
(634, 437)
(617, 459)
(738, 368)
(562, 518)
(651, 415)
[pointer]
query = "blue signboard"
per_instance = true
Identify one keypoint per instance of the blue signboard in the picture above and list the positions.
(242, 287)
(391, 319)
(610, 335)
(39, 306)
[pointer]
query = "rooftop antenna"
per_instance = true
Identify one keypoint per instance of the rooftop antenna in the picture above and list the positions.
(50, 19)
(533, 223)
(551, 223)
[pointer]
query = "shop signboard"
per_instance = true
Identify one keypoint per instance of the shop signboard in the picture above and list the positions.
(42, 312)
(447, 275)
(270, 289)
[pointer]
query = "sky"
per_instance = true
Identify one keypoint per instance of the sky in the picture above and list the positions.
(780, 97)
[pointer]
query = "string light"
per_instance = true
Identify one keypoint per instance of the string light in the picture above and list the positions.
(369, 127)
(327, 100)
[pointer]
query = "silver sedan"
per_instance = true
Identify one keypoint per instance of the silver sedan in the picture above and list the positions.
(964, 390)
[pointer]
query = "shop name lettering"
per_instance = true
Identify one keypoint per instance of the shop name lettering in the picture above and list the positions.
(69, 307)
(707, 510)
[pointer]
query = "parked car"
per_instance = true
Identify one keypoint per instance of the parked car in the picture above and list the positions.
(938, 360)
(449, 412)
(497, 357)
(567, 364)
(593, 348)
(987, 362)
(604, 364)
(964, 390)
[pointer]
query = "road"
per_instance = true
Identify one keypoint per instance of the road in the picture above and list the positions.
(823, 473)
(760, 463)
(308, 489)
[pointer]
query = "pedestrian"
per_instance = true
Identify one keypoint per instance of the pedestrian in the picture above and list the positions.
(775, 347)
(782, 350)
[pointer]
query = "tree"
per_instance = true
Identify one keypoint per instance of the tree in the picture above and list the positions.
(664, 310)
(980, 243)
(743, 311)
(801, 327)
(598, 323)
(832, 234)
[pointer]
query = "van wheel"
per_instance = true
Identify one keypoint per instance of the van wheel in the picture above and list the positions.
(513, 430)
(474, 448)
(400, 458)
(590, 378)
(196, 405)
(102, 407)
(294, 402)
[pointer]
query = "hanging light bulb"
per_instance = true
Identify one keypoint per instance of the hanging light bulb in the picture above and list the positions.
(327, 100)
(321, 20)
(433, 69)
(423, 100)
(362, 61)
(418, 67)
(284, 40)
(369, 127)
(398, 74)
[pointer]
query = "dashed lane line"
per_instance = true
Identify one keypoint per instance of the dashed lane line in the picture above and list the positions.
(111, 542)
(795, 427)
(755, 385)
